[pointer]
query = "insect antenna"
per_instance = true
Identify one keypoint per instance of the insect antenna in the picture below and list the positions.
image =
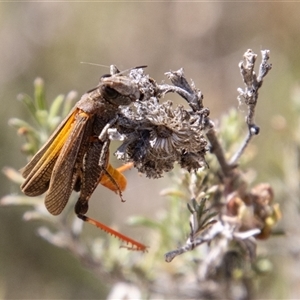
(127, 70)
(94, 64)
(113, 69)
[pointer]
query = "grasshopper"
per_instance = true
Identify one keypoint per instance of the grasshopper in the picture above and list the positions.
(76, 156)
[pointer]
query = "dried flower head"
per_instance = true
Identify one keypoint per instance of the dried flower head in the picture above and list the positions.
(156, 135)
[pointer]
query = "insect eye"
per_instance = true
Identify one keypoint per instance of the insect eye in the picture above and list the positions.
(110, 92)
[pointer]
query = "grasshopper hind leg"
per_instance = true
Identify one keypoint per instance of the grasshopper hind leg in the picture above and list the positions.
(131, 244)
(81, 209)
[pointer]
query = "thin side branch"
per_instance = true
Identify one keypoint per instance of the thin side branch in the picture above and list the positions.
(252, 82)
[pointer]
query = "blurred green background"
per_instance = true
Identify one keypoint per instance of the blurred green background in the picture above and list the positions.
(206, 39)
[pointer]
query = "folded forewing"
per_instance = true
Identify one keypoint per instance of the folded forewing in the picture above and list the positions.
(38, 171)
(67, 166)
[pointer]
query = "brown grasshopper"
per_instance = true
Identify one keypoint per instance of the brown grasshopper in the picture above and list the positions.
(76, 156)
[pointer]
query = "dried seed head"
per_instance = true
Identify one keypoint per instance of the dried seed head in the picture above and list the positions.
(157, 136)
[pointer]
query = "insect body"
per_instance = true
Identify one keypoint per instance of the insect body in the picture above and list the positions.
(76, 156)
